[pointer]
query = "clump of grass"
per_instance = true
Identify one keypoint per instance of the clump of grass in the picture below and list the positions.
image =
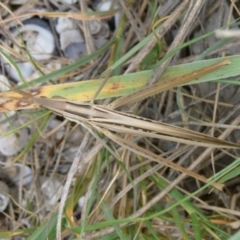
(124, 193)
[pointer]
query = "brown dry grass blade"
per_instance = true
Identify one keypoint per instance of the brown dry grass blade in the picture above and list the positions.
(83, 16)
(160, 87)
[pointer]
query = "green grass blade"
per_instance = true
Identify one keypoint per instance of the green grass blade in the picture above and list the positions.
(47, 230)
